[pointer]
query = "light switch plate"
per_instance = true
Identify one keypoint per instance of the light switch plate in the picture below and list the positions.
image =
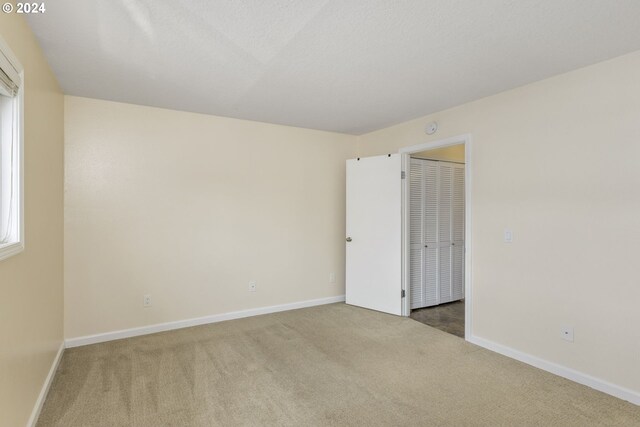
(508, 236)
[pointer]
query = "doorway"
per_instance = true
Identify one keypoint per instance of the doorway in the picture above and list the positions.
(436, 234)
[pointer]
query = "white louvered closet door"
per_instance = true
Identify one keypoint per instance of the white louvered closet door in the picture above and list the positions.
(423, 229)
(416, 222)
(457, 233)
(431, 268)
(445, 188)
(436, 211)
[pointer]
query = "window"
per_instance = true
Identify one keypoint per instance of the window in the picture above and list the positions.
(11, 95)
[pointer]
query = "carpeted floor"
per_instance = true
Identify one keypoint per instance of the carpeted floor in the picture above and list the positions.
(327, 365)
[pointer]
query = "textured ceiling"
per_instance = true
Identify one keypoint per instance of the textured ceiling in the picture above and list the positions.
(347, 66)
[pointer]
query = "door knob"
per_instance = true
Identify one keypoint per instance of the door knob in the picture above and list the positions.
(348, 239)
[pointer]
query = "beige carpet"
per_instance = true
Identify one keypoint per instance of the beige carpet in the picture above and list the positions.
(328, 365)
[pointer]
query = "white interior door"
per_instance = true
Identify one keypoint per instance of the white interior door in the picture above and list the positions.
(374, 233)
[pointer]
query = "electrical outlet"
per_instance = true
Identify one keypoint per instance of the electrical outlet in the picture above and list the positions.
(147, 300)
(252, 286)
(332, 277)
(566, 332)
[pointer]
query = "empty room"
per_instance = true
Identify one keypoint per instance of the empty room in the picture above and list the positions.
(319, 213)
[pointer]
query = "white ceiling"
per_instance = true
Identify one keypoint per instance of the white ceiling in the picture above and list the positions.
(342, 65)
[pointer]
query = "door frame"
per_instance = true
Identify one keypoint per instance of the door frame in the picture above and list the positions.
(405, 155)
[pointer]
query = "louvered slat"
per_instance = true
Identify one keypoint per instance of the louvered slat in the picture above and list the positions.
(430, 201)
(416, 201)
(457, 231)
(415, 277)
(416, 214)
(431, 276)
(445, 193)
(444, 280)
(457, 204)
(457, 273)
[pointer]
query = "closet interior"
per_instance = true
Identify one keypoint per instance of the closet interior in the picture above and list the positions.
(437, 240)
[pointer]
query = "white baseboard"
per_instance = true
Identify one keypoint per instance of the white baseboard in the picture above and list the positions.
(33, 419)
(562, 371)
(160, 327)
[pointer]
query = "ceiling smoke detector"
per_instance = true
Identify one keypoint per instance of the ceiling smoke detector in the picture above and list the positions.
(431, 128)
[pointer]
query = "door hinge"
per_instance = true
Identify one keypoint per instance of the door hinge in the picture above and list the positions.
(403, 175)
(403, 293)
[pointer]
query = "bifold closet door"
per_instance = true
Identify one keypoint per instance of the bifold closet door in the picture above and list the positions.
(457, 233)
(436, 215)
(416, 225)
(445, 189)
(451, 232)
(423, 229)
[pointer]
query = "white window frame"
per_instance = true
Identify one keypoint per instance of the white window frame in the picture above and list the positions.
(16, 245)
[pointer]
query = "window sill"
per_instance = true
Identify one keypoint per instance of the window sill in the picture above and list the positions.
(9, 249)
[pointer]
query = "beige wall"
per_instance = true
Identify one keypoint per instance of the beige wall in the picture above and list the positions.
(189, 208)
(452, 153)
(31, 283)
(557, 162)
